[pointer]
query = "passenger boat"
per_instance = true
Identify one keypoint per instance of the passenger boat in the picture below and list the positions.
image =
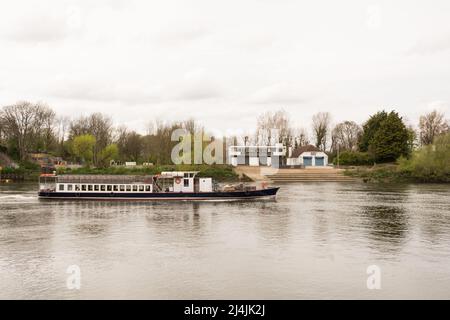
(176, 185)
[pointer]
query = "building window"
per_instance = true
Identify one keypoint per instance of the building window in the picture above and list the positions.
(109, 188)
(69, 187)
(61, 187)
(128, 188)
(122, 187)
(90, 187)
(186, 182)
(116, 187)
(102, 187)
(96, 187)
(147, 188)
(186, 175)
(83, 187)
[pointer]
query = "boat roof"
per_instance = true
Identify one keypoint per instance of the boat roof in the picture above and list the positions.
(96, 178)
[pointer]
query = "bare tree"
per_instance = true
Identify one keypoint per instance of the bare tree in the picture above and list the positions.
(150, 128)
(130, 144)
(2, 131)
(45, 132)
(158, 145)
(346, 135)
(300, 137)
(191, 126)
(321, 128)
(431, 125)
(269, 121)
(62, 125)
(27, 124)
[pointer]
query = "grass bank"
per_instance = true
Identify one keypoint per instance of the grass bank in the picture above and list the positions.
(428, 164)
(217, 172)
(394, 173)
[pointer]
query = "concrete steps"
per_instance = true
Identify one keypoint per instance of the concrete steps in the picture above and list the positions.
(289, 175)
(309, 175)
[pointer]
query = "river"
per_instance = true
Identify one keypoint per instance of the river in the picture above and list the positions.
(316, 241)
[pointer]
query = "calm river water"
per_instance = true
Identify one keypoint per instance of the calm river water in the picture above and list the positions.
(314, 241)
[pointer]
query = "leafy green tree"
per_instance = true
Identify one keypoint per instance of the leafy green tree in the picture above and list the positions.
(109, 153)
(83, 147)
(390, 140)
(369, 130)
(429, 163)
(99, 126)
(385, 137)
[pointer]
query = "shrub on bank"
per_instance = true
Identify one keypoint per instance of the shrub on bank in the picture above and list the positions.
(353, 158)
(376, 174)
(26, 170)
(430, 163)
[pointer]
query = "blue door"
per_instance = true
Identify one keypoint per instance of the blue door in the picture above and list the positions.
(319, 161)
(307, 161)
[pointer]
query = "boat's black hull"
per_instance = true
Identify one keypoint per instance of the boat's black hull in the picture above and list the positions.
(232, 195)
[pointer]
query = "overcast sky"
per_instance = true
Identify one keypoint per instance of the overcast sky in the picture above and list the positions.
(224, 62)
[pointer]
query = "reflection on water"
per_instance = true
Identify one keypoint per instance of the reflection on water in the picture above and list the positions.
(388, 223)
(315, 241)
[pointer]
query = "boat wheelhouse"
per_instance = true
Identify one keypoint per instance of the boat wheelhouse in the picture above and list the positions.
(173, 185)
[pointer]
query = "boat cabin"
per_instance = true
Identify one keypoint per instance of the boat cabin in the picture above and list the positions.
(176, 181)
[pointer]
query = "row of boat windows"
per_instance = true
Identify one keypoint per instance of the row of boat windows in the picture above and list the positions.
(102, 187)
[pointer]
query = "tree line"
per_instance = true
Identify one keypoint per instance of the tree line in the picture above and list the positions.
(383, 137)
(94, 140)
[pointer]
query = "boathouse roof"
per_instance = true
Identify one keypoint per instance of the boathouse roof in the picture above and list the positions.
(308, 148)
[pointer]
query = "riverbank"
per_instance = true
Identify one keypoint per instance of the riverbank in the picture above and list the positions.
(392, 173)
(23, 173)
(294, 175)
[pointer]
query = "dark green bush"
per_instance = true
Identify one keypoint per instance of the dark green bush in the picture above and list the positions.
(353, 158)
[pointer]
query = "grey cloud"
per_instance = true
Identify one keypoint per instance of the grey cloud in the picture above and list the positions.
(39, 28)
(182, 34)
(199, 92)
(279, 93)
(102, 91)
(430, 46)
